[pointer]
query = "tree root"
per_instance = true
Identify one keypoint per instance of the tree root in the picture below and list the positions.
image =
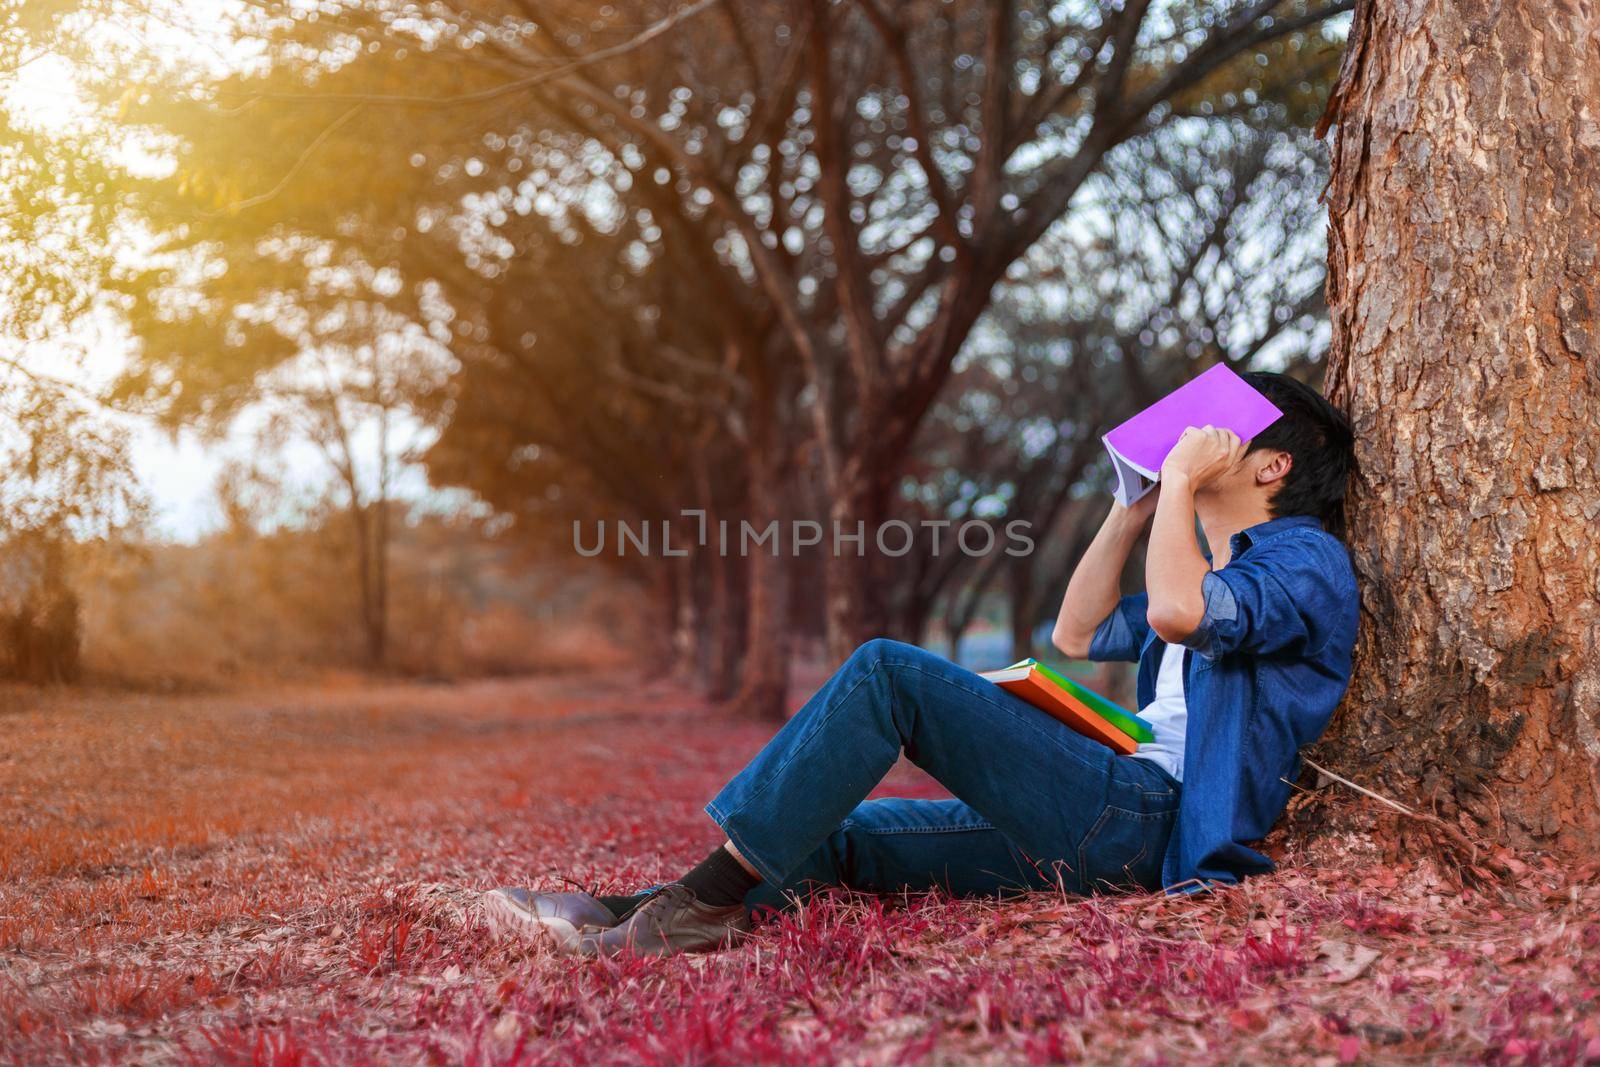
(1475, 861)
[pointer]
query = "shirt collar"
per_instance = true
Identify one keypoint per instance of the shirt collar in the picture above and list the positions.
(1263, 530)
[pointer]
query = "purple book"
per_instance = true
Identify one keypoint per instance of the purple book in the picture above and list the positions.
(1218, 397)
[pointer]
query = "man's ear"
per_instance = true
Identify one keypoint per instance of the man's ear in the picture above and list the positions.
(1275, 469)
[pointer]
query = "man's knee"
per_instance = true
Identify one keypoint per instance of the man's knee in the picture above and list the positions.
(882, 650)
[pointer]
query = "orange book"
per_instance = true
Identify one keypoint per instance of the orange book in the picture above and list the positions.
(1027, 681)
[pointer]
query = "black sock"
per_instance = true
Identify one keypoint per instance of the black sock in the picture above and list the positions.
(720, 881)
(619, 907)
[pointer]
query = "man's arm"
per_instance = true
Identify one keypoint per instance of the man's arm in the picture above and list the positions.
(1095, 588)
(1175, 568)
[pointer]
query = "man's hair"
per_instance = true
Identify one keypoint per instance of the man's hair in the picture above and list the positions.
(1320, 443)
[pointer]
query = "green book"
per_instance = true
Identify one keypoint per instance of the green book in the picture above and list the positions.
(1111, 712)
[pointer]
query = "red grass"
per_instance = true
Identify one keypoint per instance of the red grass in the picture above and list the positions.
(281, 880)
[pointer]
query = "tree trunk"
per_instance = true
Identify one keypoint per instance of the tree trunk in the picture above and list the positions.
(371, 627)
(377, 611)
(1024, 610)
(915, 613)
(764, 682)
(724, 631)
(685, 620)
(42, 635)
(915, 630)
(1463, 265)
(658, 648)
(378, 645)
(855, 605)
(764, 685)
(704, 624)
(955, 631)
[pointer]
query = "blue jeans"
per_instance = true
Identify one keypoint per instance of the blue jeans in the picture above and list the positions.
(1038, 806)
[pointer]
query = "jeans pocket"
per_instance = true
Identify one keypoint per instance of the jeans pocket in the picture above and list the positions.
(1122, 850)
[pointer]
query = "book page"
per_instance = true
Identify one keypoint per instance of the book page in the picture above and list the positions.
(1131, 482)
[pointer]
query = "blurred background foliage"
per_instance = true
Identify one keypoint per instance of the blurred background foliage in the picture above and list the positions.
(493, 267)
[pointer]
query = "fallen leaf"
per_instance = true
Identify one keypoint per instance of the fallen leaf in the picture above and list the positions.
(507, 1027)
(1346, 962)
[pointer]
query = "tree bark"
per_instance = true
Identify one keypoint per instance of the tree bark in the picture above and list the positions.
(1464, 255)
(856, 611)
(378, 646)
(764, 681)
(764, 685)
(659, 643)
(725, 633)
(42, 635)
(372, 622)
(686, 619)
(1023, 607)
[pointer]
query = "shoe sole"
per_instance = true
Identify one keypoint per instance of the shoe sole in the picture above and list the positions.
(506, 917)
(590, 948)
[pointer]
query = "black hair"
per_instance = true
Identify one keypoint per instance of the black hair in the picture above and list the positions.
(1320, 444)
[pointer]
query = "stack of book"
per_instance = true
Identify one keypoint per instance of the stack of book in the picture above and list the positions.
(1075, 704)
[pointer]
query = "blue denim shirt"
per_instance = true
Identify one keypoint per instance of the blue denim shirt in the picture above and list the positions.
(1267, 665)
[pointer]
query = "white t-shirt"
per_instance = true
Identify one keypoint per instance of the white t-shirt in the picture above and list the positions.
(1168, 715)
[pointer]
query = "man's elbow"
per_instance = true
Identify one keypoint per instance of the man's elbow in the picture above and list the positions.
(1071, 644)
(1173, 623)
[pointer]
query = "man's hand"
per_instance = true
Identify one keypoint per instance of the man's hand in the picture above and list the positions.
(1202, 455)
(1141, 510)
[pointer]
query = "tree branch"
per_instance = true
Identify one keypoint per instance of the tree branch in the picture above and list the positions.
(480, 96)
(989, 168)
(895, 40)
(833, 160)
(360, 100)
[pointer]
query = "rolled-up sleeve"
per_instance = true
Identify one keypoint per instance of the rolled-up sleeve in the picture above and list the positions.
(1248, 608)
(1121, 636)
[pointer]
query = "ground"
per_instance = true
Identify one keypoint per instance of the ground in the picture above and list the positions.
(287, 879)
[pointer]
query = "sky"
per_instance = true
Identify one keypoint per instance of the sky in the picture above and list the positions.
(179, 477)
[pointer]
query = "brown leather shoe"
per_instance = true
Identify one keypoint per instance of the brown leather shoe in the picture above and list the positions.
(669, 922)
(532, 916)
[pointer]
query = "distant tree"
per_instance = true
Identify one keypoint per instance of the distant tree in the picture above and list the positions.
(599, 385)
(355, 400)
(322, 358)
(65, 475)
(64, 478)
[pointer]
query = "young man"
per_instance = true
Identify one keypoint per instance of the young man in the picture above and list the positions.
(1242, 658)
